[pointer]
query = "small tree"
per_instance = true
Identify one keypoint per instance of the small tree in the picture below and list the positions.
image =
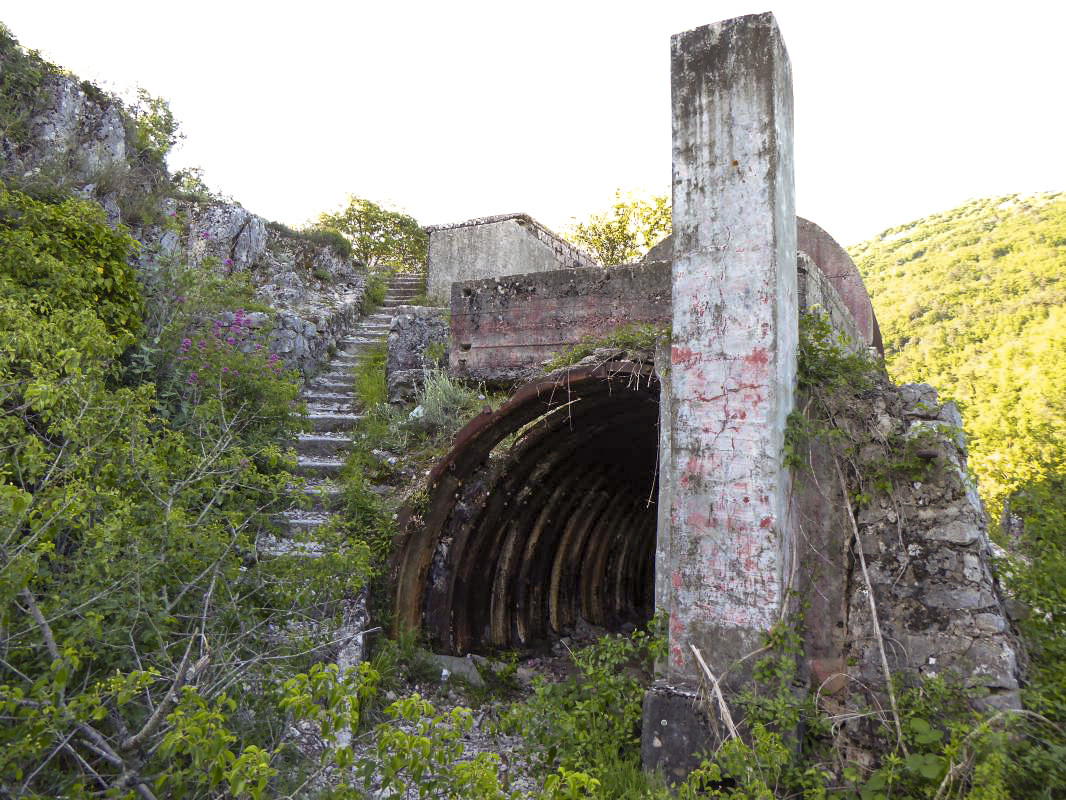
(379, 236)
(625, 231)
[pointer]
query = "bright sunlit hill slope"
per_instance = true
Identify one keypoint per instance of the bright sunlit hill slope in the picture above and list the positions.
(973, 301)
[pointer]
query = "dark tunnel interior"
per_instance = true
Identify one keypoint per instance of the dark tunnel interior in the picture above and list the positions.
(543, 514)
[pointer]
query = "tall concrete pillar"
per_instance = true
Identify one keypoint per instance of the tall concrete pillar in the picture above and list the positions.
(733, 364)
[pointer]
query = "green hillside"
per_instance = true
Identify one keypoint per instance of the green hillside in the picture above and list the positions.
(973, 301)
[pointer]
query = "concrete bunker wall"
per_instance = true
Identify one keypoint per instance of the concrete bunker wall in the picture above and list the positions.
(508, 244)
(503, 328)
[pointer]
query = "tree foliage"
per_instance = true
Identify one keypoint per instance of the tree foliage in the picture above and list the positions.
(626, 230)
(379, 236)
(144, 643)
(973, 301)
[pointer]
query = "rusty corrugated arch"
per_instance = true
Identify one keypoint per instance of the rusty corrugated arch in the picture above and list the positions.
(520, 543)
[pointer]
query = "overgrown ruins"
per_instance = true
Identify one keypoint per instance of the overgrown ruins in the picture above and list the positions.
(640, 485)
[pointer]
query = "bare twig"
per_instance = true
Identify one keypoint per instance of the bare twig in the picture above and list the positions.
(873, 611)
(727, 718)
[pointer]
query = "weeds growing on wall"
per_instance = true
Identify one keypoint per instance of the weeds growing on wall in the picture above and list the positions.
(23, 74)
(630, 338)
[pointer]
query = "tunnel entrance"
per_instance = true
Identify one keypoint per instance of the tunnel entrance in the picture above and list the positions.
(542, 515)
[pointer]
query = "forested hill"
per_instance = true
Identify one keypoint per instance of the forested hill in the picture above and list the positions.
(973, 301)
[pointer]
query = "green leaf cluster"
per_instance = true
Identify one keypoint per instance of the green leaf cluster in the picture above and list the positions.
(590, 723)
(379, 236)
(626, 230)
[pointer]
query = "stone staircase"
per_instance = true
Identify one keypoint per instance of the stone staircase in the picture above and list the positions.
(334, 409)
(334, 412)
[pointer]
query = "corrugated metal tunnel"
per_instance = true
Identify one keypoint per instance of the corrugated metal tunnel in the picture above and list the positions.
(543, 513)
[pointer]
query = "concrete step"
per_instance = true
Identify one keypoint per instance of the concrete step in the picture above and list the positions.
(301, 523)
(324, 495)
(322, 443)
(268, 546)
(344, 372)
(319, 466)
(332, 386)
(328, 419)
(344, 360)
(330, 401)
(349, 341)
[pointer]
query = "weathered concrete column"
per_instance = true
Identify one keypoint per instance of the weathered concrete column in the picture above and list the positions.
(733, 362)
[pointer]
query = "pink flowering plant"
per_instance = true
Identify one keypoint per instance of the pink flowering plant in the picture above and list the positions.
(209, 355)
(227, 375)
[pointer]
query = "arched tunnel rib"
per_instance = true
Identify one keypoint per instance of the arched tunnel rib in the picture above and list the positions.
(520, 543)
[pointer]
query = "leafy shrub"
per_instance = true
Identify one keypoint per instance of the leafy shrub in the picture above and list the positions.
(154, 130)
(374, 292)
(591, 722)
(134, 596)
(625, 231)
(66, 256)
(318, 235)
(379, 236)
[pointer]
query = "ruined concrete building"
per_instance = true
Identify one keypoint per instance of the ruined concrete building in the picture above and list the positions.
(642, 485)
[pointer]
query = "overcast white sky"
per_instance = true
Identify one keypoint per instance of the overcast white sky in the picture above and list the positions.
(464, 109)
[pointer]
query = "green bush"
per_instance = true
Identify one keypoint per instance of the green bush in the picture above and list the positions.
(318, 235)
(374, 292)
(23, 94)
(379, 236)
(446, 406)
(591, 722)
(66, 256)
(134, 599)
